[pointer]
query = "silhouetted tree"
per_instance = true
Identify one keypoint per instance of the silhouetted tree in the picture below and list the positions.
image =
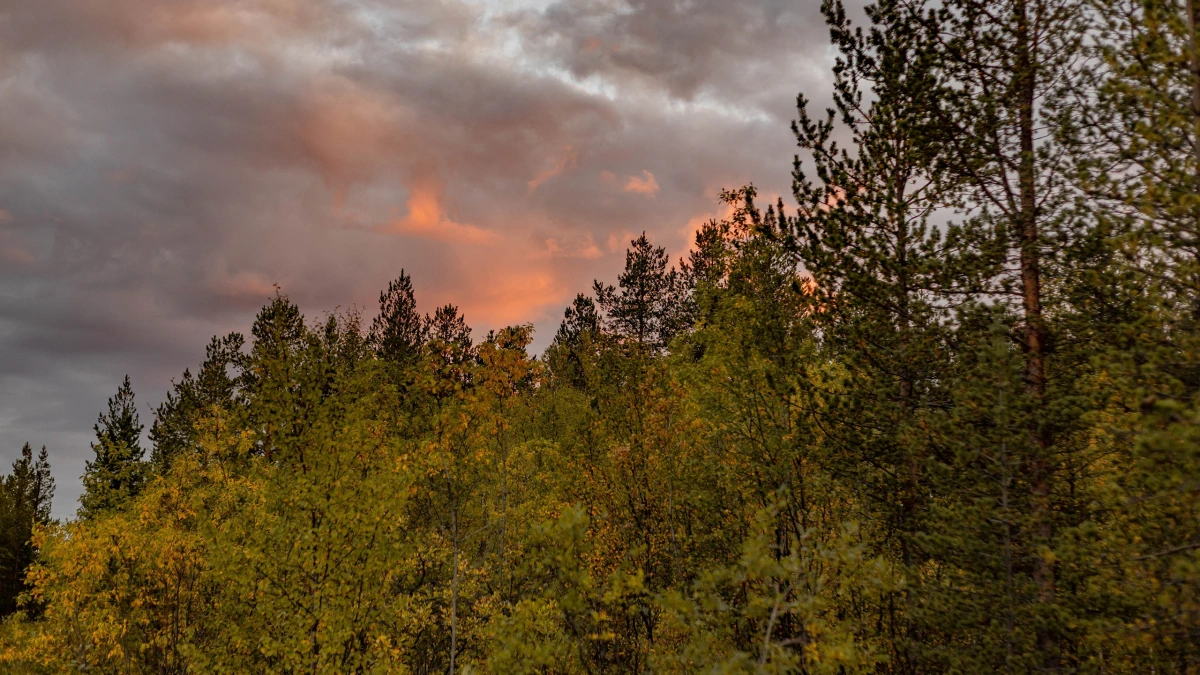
(398, 332)
(25, 496)
(643, 306)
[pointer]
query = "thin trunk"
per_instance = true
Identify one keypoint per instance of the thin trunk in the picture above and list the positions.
(504, 497)
(1026, 84)
(1005, 482)
(1026, 66)
(454, 593)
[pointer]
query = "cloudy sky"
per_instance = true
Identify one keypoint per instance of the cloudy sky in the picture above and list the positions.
(163, 163)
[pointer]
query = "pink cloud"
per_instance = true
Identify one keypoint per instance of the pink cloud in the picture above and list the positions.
(565, 163)
(642, 185)
(426, 218)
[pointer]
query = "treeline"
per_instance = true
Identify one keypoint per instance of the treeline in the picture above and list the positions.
(940, 417)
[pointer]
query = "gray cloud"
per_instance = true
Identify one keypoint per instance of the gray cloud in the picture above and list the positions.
(163, 164)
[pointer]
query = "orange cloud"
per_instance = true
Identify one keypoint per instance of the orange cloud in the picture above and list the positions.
(643, 185)
(427, 219)
(10, 250)
(723, 212)
(512, 296)
(564, 164)
(203, 22)
(17, 255)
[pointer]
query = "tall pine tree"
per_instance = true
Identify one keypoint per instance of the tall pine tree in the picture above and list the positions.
(117, 473)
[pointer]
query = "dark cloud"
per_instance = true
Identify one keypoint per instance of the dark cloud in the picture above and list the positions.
(163, 164)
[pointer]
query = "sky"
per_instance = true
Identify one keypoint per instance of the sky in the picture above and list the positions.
(164, 164)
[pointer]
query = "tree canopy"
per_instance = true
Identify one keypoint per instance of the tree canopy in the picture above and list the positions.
(939, 415)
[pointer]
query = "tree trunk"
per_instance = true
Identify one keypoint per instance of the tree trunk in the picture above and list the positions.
(454, 596)
(1035, 331)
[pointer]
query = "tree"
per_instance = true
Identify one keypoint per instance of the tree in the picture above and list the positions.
(25, 496)
(272, 401)
(309, 562)
(579, 319)
(1001, 64)
(117, 473)
(883, 282)
(398, 332)
(578, 333)
(1132, 124)
(174, 429)
(449, 346)
(643, 307)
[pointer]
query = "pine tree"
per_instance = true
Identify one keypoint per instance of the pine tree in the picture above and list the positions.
(881, 283)
(277, 332)
(577, 335)
(25, 496)
(174, 428)
(398, 333)
(449, 342)
(643, 307)
(1001, 64)
(267, 383)
(579, 319)
(117, 473)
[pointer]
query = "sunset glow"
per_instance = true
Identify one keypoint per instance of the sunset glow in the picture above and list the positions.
(172, 162)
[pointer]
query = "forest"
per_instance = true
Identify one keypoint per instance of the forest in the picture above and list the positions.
(938, 414)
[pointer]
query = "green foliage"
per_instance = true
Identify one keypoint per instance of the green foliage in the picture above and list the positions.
(643, 308)
(117, 474)
(174, 429)
(25, 496)
(940, 418)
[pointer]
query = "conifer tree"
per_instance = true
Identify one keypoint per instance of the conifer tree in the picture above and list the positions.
(117, 473)
(881, 282)
(25, 496)
(448, 344)
(174, 429)
(272, 400)
(1132, 122)
(580, 318)
(449, 329)
(398, 332)
(577, 335)
(643, 307)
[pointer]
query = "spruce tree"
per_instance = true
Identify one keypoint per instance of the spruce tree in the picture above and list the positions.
(398, 332)
(117, 473)
(25, 496)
